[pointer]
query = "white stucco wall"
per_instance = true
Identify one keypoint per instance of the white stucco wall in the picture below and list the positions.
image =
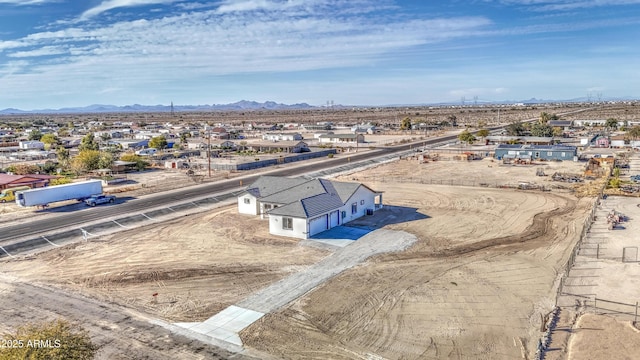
(361, 194)
(252, 208)
(299, 227)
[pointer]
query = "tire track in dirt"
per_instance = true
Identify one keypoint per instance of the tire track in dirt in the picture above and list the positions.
(538, 231)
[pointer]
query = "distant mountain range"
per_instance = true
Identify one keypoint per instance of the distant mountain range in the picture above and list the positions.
(99, 108)
(245, 105)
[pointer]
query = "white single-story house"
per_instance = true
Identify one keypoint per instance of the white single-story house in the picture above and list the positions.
(282, 137)
(301, 208)
(341, 138)
(280, 146)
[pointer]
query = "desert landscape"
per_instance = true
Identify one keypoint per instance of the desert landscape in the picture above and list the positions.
(479, 281)
(475, 284)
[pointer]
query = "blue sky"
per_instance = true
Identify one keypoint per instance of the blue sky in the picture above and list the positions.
(62, 53)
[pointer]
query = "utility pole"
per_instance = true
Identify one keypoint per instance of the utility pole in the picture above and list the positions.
(209, 150)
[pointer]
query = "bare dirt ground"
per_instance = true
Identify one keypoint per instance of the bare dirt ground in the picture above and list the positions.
(488, 171)
(603, 337)
(473, 286)
(120, 333)
(197, 265)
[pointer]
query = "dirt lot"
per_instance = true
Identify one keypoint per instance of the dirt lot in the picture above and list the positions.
(198, 265)
(474, 285)
(488, 171)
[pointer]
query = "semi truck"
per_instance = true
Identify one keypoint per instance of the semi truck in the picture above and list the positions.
(46, 195)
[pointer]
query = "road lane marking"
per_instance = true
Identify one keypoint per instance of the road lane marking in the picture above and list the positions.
(145, 215)
(6, 252)
(117, 223)
(56, 245)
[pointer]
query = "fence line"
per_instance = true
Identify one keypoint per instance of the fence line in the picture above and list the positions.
(461, 182)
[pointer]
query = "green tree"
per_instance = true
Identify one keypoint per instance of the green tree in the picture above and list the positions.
(515, 129)
(544, 118)
(141, 164)
(467, 137)
(105, 161)
(541, 130)
(35, 135)
(483, 133)
(405, 124)
(63, 156)
(86, 160)
(49, 140)
(23, 169)
(60, 181)
(634, 133)
(158, 142)
(62, 341)
(557, 131)
(88, 142)
(611, 123)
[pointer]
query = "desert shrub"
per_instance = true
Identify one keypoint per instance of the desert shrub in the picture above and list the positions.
(54, 340)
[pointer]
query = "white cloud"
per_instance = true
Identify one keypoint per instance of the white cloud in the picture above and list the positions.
(26, 2)
(568, 5)
(43, 51)
(114, 4)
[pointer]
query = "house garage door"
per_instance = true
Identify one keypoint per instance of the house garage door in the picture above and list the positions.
(317, 225)
(334, 218)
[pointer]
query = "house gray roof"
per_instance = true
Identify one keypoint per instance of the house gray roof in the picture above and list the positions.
(267, 185)
(303, 198)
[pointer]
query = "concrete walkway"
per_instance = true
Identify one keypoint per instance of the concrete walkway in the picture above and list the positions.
(225, 326)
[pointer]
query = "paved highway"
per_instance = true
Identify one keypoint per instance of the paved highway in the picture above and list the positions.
(73, 219)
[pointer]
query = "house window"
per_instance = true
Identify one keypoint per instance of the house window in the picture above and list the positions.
(344, 214)
(287, 223)
(247, 201)
(354, 208)
(563, 154)
(361, 202)
(549, 153)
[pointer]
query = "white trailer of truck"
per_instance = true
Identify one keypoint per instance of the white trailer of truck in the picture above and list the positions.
(46, 195)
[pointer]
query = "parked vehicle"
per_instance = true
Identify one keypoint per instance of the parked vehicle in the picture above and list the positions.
(46, 195)
(146, 152)
(635, 178)
(9, 194)
(99, 199)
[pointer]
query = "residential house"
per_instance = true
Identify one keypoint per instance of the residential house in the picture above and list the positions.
(506, 139)
(31, 145)
(280, 146)
(363, 129)
(31, 180)
(341, 138)
(601, 142)
(218, 133)
(619, 141)
(318, 126)
(536, 152)
(302, 208)
(565, 125)
(282, 137)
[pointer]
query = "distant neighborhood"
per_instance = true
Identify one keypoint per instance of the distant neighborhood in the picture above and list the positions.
(48, 152)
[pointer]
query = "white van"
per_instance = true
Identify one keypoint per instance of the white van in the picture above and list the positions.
(146, 152)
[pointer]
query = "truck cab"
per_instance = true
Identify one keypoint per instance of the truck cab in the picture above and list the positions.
(9, 194)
